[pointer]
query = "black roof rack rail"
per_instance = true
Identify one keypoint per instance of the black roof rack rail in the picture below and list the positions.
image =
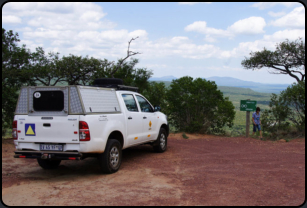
(113, 83)
(118, 87)
(123, 87)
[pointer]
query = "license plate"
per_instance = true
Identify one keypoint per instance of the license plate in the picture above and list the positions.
(51, 147)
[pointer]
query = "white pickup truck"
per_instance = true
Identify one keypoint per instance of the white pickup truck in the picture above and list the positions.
(55, 123)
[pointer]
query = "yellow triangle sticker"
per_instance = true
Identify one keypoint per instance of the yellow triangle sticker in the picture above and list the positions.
(30, 131)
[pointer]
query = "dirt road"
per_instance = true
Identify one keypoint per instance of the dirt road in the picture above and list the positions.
(202, 170)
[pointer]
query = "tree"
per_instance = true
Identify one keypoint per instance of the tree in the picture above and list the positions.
(80, 70)
(15, 63)
(288, 106)
(50, 70)
(131, 76)
(44, 70)
(156, 94)
(275, 118)
(198, 106)
(288, 58)
(294, 97)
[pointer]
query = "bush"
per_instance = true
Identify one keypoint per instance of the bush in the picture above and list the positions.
(294, 96)
(275, 118)
(156, 94)
(287, 111)
(198, 106)
(185, 136)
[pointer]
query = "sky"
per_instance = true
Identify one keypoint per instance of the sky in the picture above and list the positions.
(175, 38)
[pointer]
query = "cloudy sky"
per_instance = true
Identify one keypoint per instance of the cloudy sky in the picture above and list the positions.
(196, 39)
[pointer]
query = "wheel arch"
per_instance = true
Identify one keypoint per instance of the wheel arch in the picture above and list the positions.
(118, 136)
(166, 127)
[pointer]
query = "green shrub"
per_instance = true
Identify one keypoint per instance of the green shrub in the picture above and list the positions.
(185, 136)
(198, 106)
(286, 113)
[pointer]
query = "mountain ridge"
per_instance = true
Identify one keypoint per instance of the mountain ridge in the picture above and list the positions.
(234, 82)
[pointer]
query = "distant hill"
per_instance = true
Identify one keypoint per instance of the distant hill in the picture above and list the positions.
(165, 78)
(233, 82)
(259, 87)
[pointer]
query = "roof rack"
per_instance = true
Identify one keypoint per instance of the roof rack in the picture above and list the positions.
(123, 87)
(118, 87)
(113, 83)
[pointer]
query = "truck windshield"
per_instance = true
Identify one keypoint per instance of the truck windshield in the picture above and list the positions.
(48, 100)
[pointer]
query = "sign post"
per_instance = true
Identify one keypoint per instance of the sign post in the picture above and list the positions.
(248, 106)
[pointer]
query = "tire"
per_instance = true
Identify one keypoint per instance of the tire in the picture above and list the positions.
(111, 159)
(160, 145)
(48, 164)
(108, 81)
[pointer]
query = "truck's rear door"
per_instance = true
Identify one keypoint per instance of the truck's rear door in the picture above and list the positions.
(53, 129)
(48, 119)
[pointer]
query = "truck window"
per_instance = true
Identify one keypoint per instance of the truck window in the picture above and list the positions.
(48, 100)
(145, 106)
(130, 103)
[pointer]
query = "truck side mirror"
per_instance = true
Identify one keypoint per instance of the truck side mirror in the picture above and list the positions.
(157, 108)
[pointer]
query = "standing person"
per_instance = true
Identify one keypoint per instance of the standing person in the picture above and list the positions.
(257, 122)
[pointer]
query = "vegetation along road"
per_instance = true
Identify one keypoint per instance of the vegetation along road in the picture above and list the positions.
(201, 170)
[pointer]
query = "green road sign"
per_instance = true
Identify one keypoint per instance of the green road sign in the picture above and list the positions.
(248, 105)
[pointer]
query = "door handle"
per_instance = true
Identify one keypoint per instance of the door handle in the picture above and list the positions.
(129, 117)
(144, 117)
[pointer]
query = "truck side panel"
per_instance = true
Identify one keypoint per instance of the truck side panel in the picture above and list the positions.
(101, 126)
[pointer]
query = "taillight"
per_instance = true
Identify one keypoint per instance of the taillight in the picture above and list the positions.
(14, 132)
(84, 132)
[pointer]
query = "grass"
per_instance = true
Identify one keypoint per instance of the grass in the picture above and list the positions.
(235, 95)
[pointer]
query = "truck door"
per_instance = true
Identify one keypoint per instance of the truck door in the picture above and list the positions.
(134, 120)
(150, 119)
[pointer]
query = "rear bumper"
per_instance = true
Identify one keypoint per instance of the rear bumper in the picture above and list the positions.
(49, 155)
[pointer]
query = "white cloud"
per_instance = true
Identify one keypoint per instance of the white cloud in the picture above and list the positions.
(193, 3)
(142, 34)
(59, 15)
(210, 39)
(80, 29)
(201, 27)
(266, 5)
(7, 19)
(280, 36)
(295, 19)
(176, 46)
(249, 26)
(276, 14)
(268, 41)
(156, 66)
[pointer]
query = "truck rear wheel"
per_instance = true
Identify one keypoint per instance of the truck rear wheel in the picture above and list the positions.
(48, 164)
(111, 159)
(160, 144)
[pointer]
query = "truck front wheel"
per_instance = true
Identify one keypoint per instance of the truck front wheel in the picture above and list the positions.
(160, 144)
(48, 164)
(111, 159)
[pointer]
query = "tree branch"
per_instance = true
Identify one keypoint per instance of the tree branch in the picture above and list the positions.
(45, 83)
(286, 56)
(121, 61)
